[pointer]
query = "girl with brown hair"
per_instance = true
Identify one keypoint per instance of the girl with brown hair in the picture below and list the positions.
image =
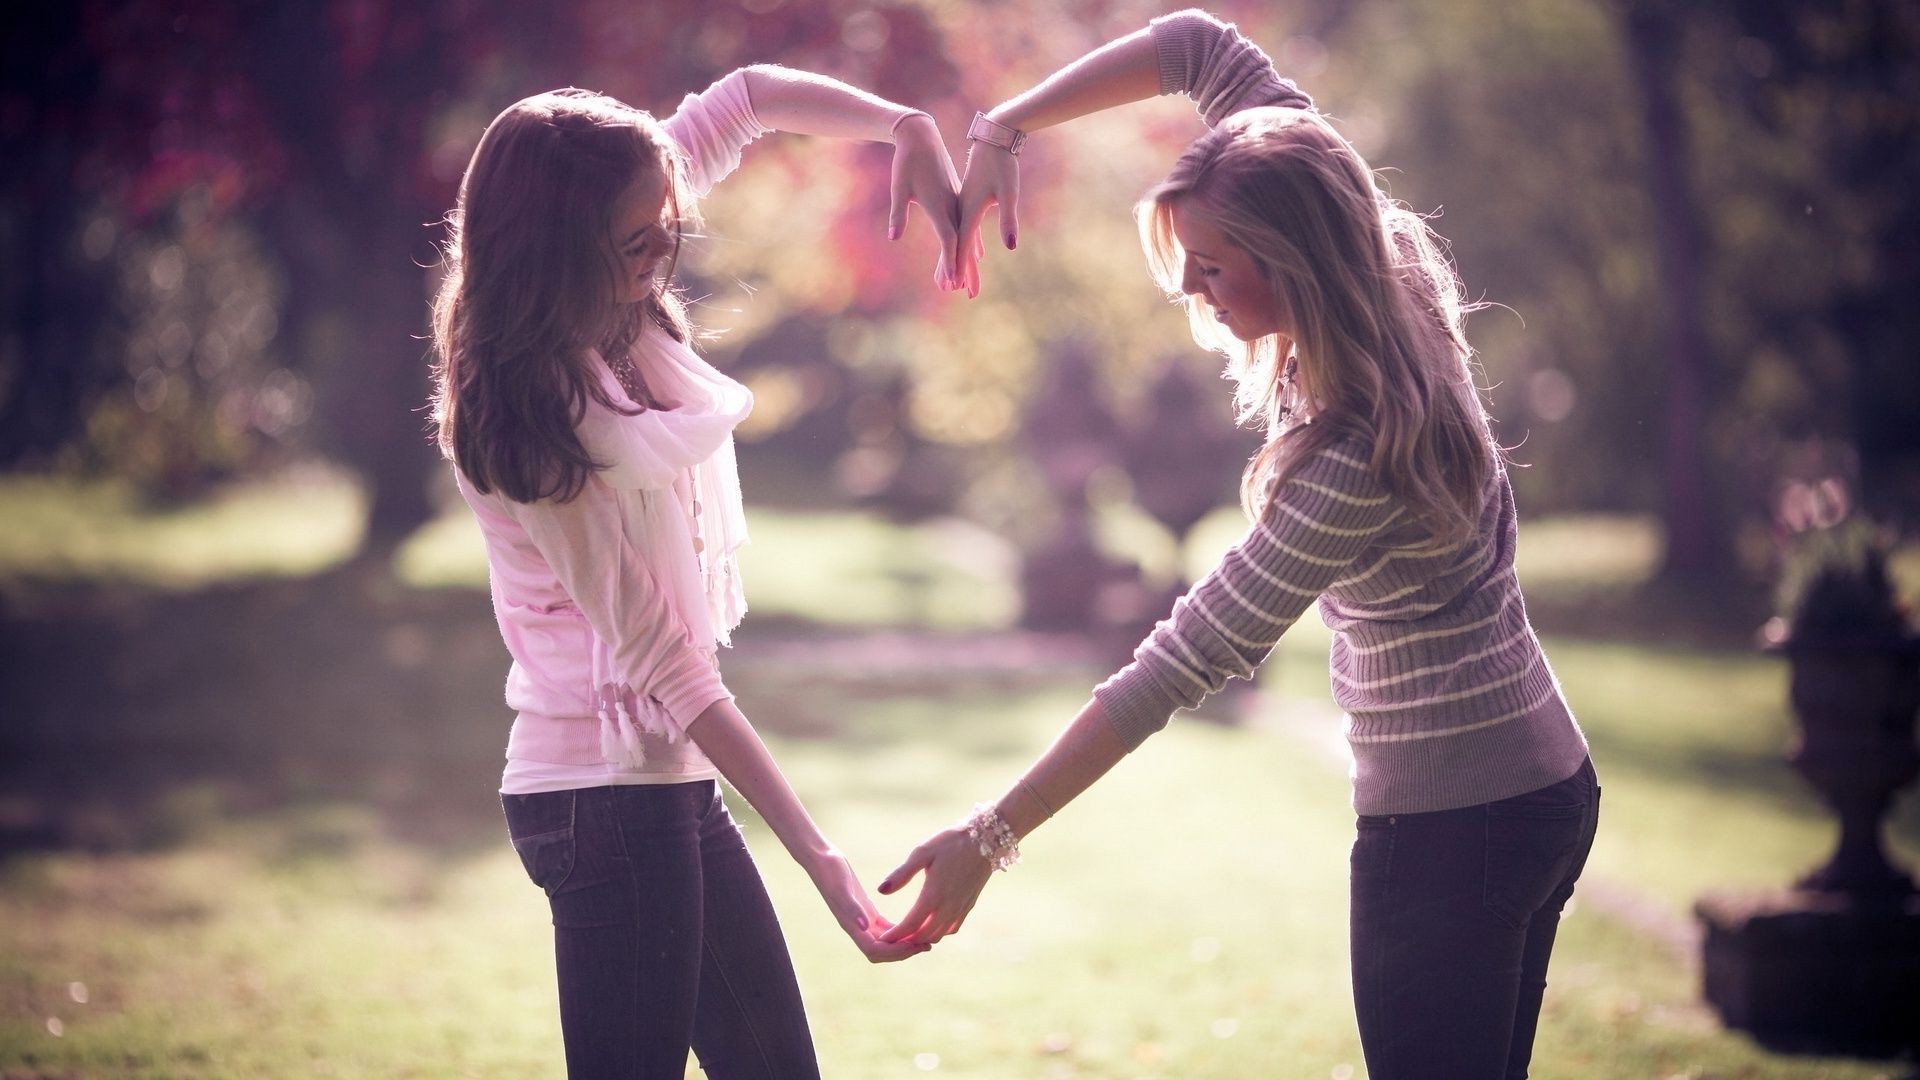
(595, 448)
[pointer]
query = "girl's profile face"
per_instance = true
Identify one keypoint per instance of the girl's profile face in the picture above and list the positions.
(642, 234)
(1222, 273)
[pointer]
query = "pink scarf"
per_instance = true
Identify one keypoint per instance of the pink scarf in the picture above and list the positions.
(674, 473)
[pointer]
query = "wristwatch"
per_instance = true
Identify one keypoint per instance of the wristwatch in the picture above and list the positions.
(994, 133)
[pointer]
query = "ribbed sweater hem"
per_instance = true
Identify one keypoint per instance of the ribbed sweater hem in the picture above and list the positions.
(570, 740)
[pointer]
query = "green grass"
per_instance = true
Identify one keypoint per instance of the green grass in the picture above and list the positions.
(861, 570)
(61, 530)
(1186, 918)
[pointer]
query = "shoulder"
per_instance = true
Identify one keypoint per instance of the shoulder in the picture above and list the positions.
(1343, 463)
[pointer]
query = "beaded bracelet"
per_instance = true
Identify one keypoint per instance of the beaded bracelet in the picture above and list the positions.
(995, 837)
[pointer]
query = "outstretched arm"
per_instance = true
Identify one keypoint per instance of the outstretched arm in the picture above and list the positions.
(730, 742)
(957, 872)
(1308, 537)
(808, 104)
(1188, 52)
(650, 653)
(1121, 71)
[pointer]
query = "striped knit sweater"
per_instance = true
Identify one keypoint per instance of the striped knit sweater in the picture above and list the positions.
(1449, 698)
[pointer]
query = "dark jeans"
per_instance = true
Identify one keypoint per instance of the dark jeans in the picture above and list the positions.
(664, 938)
(1454, 915)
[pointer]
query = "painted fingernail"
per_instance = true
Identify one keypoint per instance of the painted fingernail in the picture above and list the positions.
(893, 232)
(886, 886)
(1012, 242)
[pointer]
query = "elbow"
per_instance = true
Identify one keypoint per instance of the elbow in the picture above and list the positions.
(761, 80)
(1197, 19)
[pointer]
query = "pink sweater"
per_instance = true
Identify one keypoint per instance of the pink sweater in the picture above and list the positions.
(567, 582)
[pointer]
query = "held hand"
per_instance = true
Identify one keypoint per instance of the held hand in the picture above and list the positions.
(956, 872)
(993, 179)
(923, 173)
(855, 912)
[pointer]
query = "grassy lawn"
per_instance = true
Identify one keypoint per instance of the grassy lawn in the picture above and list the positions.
(1186, 918)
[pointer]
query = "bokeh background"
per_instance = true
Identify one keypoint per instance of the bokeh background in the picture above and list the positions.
(250, 716)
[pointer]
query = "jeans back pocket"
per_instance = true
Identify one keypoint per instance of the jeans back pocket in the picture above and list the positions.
(1531, 848)
(541, 827)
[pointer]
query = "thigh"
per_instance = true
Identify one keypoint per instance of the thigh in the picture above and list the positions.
(627, 927)
(1435, 975)
(750, 1022)
(1542, 928)
(1454, 916)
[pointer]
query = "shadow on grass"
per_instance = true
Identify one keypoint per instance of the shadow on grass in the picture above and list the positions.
(132, 719)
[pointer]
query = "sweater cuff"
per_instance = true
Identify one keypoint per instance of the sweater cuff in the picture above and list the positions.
(686, 694)
(1135, 704)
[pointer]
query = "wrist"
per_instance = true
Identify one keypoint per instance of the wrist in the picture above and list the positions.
(996, 132)
(992, 837)
(908, 121)
(818, 858)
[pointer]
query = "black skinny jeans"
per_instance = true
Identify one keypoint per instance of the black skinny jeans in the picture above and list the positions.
(1454, 915)
(664, 938)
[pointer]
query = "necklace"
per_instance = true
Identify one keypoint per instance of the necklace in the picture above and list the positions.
(618, 349)
(1289, 393)
(628, 376)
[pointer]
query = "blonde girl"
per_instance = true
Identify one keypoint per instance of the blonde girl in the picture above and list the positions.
(594, 447)
(1381, 493)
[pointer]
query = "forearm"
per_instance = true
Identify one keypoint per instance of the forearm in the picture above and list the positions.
(1083, 753)
(730, 742)
(1121, 71)
(804, 103)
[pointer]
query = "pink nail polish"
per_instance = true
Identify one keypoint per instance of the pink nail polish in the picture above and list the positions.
(893, 233)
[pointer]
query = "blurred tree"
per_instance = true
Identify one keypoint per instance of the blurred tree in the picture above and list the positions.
(315, 140)
(1183, 456)
(1834, 89)
(336, 130)
(1698, 543)
(54, 295)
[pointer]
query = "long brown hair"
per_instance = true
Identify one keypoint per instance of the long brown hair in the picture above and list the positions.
(532, 282)
(1376, 312)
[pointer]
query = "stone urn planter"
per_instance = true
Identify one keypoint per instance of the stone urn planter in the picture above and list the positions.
(1832, 964)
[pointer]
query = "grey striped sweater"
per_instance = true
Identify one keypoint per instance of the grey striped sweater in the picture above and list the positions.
(1449, 698)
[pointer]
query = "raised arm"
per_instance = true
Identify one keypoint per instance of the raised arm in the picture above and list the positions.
(713, 126)
(1188, 52)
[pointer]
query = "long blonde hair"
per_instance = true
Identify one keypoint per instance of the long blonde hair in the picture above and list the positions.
(1375, 310)
(532, 282)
